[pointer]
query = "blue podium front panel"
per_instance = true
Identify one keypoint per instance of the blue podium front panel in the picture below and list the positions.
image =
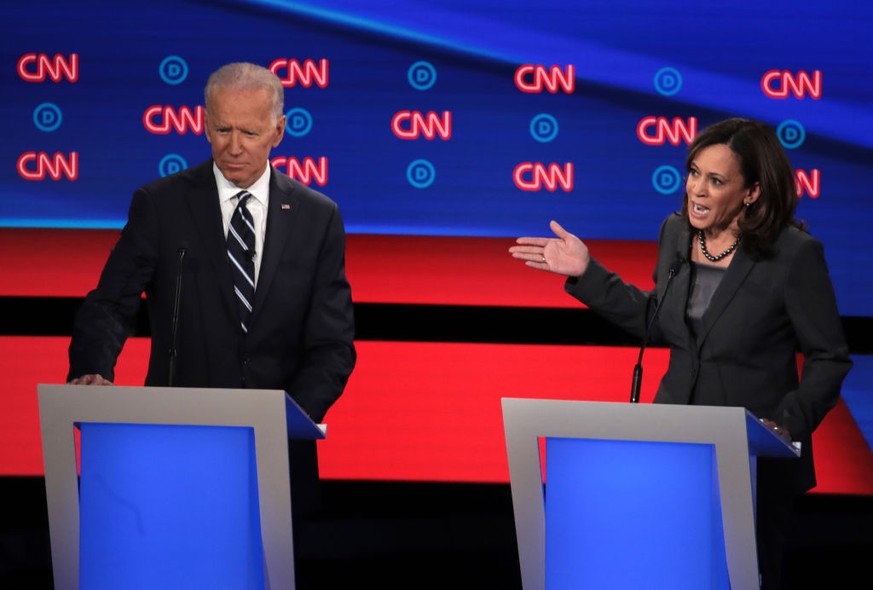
(169, 507)
(625, 514)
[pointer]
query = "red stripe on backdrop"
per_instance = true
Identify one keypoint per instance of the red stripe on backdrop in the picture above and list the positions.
(419, 411)
(432, 411)
(843, 461)
(53, 262)
(381, 269)
(473, 271)
(27, 362)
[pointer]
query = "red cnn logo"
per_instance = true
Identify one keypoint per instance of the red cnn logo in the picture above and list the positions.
(781, 83)
(808, 182)
(38, 165)
(413, 124)
(536, 78)
(307, 172)
(160, 120)
(291, 72)
(534, 176)
(36, 67)
(659, 130)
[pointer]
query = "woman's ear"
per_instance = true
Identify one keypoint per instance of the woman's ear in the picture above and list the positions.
(752, 195)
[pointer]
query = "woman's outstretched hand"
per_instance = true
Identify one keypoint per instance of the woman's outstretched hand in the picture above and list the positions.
(564, 255)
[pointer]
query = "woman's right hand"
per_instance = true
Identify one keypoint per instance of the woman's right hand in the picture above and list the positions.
(564, 255)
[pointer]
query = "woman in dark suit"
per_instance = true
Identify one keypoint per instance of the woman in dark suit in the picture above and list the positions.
(742, 289)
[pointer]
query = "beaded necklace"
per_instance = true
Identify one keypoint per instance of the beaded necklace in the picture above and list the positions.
(702, 241)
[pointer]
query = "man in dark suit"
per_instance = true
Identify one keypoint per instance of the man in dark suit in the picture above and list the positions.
(294, 332)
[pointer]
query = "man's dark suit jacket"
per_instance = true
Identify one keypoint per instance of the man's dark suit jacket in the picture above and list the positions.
(763, 313)
(300, 335)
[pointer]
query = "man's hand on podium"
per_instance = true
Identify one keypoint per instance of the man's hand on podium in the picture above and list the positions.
(90, 380)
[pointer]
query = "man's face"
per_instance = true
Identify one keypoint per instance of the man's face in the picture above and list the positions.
(241, 128)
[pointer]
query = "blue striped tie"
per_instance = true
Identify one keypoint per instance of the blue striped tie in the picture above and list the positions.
(241, 251)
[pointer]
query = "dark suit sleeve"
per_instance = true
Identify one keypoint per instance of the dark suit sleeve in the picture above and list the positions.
(812, 309)
(623, 304)
(109, 312)
(328, 347)
(604, 292)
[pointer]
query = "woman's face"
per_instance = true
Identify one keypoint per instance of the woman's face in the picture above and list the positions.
(715, 189)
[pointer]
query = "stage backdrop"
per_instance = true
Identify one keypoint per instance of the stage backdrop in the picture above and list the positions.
(443, 129)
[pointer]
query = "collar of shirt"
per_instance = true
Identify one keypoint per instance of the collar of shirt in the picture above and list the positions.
(260, 189)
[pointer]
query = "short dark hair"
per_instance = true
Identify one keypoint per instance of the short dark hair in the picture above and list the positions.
(763, 161)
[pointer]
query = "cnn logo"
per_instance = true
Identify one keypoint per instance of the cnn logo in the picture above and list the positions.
(307, 172)
(37, 67)
(38, 166)
(292, 72)
(536, 176)
(161, 120)
(660, 130)
(414, 124)
(781, 84)
(808, 182)
(534, 79)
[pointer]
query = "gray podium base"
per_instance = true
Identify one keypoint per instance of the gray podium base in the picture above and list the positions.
(272, 415)
(736, 435)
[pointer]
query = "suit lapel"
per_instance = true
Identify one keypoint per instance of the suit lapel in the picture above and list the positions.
(281, 213)
(676, 301)
(734, 277)
(205, 210)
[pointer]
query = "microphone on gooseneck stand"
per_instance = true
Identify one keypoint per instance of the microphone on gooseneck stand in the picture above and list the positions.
(172, 366)
(638, 368)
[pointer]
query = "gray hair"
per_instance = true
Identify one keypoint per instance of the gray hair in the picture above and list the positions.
(246, 76)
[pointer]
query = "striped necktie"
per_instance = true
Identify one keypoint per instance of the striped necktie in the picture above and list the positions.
(241, 252)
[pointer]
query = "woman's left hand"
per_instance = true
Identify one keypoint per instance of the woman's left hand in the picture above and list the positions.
(778, 430)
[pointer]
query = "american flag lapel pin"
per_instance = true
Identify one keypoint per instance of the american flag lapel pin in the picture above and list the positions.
(286, 207)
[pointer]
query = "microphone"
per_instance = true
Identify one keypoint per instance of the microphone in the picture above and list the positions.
(175, 322)
(638, 368)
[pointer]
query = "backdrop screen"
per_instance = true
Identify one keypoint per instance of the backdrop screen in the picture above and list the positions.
(447, 117)
(443, 129)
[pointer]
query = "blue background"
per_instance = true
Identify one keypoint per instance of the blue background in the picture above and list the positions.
(720, 50)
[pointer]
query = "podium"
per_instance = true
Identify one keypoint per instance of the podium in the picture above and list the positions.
(635, 495)
(171, 487)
